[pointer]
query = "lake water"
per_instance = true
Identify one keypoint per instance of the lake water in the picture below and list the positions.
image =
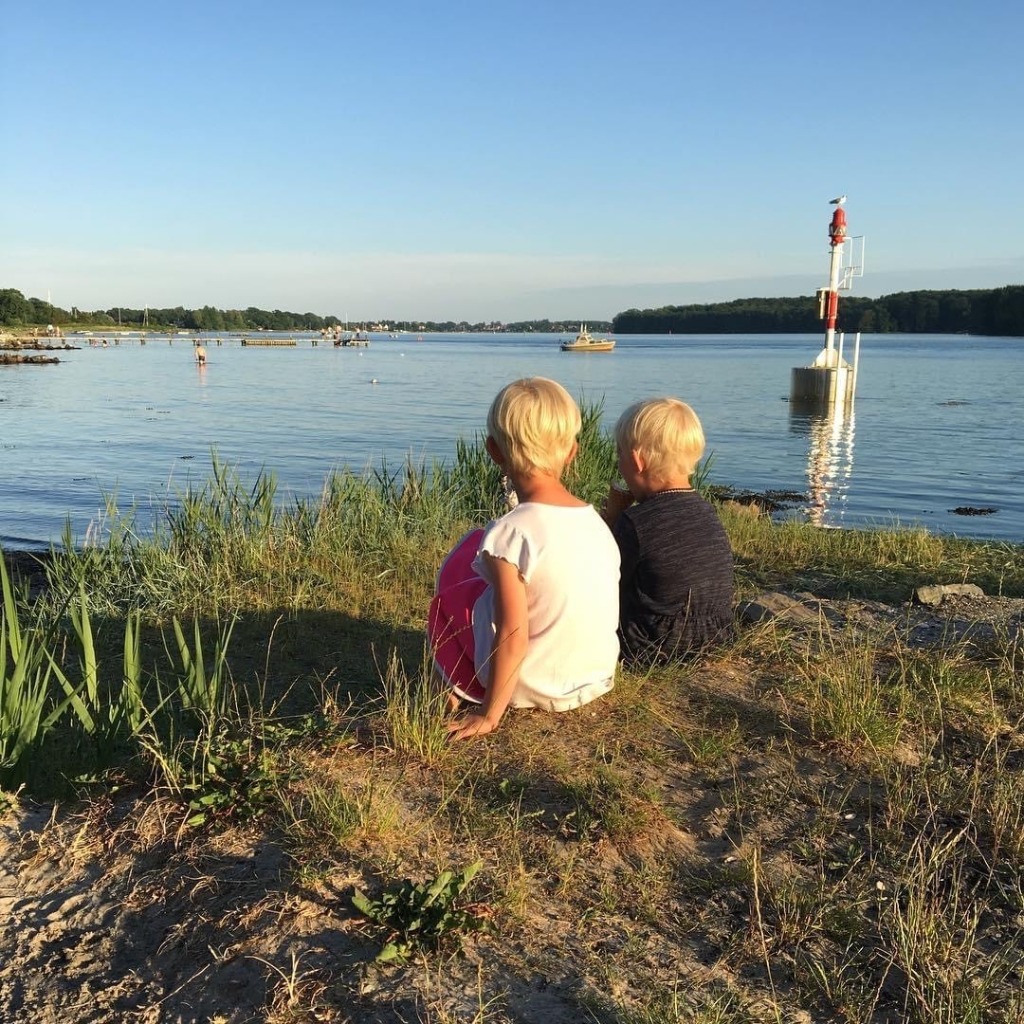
(934, 426)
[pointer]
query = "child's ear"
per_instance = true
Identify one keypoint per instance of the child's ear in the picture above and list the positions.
(494, 451)
(573, 452)
(637, 461)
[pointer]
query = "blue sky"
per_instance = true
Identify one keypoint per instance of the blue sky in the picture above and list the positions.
(454, 160)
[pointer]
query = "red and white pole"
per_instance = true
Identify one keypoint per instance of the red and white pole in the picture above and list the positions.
(837, 233)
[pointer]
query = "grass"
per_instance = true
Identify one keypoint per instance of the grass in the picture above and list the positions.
(883, 564)
(820, 822)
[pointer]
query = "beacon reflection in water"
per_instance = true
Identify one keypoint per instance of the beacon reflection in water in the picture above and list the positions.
(829, 459)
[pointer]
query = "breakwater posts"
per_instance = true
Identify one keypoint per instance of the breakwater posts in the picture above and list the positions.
(270, 342)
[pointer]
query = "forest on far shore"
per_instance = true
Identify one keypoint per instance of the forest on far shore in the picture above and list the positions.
(19, 312)
(994, 311)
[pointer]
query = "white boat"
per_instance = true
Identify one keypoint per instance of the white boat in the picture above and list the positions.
(585, 342)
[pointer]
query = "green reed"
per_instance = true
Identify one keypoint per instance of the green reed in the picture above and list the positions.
(25, 684)
(67, 714)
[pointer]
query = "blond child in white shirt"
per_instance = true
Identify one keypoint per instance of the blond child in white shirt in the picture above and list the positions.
(526, 610)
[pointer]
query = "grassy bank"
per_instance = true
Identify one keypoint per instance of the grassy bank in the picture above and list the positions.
(824, 821)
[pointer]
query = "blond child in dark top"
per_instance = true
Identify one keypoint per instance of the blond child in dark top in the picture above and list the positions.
(676, 582)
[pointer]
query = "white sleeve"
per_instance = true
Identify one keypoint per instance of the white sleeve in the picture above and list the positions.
(508, 542)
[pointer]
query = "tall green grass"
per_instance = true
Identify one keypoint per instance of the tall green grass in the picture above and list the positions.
(26, 706)
(369, 543)
(66, 716)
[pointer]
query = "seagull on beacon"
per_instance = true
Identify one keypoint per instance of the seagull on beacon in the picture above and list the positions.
(838, 201)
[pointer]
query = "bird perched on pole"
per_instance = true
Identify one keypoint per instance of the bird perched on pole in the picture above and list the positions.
(838, 201)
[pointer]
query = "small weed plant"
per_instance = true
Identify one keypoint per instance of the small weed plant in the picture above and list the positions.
(234, 778)
(420, 916)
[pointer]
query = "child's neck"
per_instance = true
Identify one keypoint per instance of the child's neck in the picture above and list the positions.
(672, 483)
(545, 489)
(648, 488)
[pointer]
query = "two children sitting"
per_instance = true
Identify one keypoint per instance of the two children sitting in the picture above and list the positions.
(532, 611)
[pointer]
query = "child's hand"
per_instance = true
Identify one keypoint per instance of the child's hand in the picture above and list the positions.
(616, 502)
(470, 726)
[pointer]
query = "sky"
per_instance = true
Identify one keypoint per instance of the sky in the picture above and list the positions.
(495, 160)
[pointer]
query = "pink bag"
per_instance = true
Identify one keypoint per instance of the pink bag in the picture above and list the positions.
(450, 619)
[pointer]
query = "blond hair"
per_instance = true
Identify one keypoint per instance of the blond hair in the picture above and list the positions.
(667, 434)
(534, 422)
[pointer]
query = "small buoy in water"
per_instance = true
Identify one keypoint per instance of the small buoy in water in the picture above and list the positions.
(374, 380)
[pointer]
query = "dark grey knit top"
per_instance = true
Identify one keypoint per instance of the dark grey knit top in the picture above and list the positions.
(675, 589)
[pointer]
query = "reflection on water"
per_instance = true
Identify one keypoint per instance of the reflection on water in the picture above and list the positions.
(829, 459)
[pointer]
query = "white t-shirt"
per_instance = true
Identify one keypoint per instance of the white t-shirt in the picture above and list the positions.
(570, 564)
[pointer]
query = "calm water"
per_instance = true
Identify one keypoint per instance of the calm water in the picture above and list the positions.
(933, 427)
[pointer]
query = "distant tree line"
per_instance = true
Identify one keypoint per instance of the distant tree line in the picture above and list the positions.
(558, 326)
(995, 311)
(18, 311)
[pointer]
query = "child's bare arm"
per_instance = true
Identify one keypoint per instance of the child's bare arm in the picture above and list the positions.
(510, 642)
